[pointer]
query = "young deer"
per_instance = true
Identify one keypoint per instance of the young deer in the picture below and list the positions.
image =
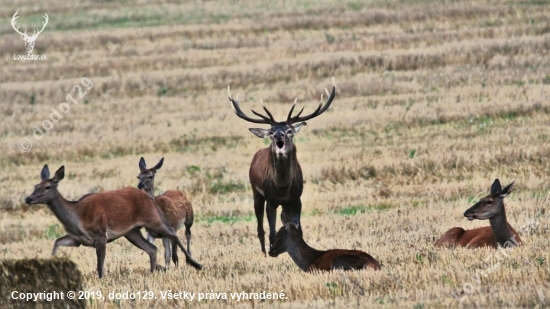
(289, 239)
(275, 174)
(489, 208)
(98, 218)
(174, 205)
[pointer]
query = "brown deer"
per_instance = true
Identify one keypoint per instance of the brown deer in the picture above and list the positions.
(98, 218)
(275, 174)
(289, 239)
(491, 208)
(174, 205)
(29, 40)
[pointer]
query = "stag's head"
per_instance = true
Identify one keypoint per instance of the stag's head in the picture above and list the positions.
(29, 40)
(285, 236)
(281, 133)
(45, 190)
(147, 175)
(490, 205)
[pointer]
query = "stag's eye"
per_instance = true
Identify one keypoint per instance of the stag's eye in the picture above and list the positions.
(150, 177)
(48, 187)
(490, 202)
(289, 132)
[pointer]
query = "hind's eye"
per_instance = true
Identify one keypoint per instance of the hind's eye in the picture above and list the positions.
(150, 177)
(48, 187)
(490, 202)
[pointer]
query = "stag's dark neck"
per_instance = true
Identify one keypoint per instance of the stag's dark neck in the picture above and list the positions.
(500, 226)
(301, 253)
(64, 211)
(284, 168)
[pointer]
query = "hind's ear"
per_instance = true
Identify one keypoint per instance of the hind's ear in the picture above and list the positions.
(59, 174)
(142, 165)
(507, 190)
(45, 173)
(159, 165)
(295, 221)
(496, 187)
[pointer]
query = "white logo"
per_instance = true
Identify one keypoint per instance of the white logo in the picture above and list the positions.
(29, 40)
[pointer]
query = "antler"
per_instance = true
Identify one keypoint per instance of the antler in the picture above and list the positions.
(237, 109)
(13, 24)
(43, 26)
(320, 109)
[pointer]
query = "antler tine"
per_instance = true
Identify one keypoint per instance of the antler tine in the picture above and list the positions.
(320, 109)
(13, 22)
(237, 110)
(291, 110)
(267, 111)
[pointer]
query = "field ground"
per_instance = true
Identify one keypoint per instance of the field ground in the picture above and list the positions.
(434, 101)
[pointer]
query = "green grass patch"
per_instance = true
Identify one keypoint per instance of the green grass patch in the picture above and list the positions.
(353, 210)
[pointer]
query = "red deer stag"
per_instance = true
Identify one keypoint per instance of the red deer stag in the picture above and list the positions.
(289, 239)
(275, 174)
(98, 218)
(491, 208)
(174, 205)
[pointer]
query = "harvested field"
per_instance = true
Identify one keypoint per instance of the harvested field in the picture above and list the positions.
(434, 101)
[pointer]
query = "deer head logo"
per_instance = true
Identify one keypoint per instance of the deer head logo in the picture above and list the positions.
(29, 40)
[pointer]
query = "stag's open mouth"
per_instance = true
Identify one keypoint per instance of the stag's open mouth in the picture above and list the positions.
(280, 147)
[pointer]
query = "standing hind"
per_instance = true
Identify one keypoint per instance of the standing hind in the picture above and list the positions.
(176, 208)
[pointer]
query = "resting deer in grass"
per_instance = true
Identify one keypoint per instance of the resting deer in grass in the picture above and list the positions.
(98, 218)
(174, 205)
(275, 174)
(289, 239)
(491, 208)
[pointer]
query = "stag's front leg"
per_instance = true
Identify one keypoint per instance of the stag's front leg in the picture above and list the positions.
(66, 241)
(271, 212)
(259, 206)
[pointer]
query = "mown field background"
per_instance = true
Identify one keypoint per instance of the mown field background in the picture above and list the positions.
(435, 99)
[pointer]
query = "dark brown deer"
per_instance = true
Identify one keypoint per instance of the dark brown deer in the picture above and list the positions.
(275, 174)
(98, 218)
(491, 208)
(289, 239)
(174, 205)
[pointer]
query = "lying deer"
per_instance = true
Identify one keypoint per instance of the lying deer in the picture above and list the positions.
(289, 239)
(98, 218)
(275, 174)
(174, 205)
(491, 208)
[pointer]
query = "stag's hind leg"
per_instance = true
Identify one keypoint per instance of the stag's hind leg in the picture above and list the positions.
(188, 237)
(259, 208)
(175, 257)
(136, 238)
(167, 252)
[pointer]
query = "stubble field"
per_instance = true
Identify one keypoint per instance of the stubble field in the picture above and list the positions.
(434, 101)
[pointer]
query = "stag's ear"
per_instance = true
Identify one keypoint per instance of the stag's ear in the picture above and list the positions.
(506, 190)
(142, 165)
(297, 127)
(45, 173)
(296, 221)
(159, 165)
(261, 133)
(59, 174)
(496, 187)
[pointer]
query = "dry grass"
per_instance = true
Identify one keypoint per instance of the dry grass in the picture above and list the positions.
(434, 102)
